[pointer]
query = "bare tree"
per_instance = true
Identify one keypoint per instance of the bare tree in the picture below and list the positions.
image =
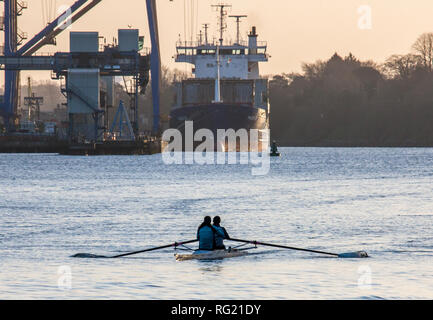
(423, 47)
(313, 70)
(402, 66)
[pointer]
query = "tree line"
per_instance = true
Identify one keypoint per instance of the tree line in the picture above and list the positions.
(347, 102)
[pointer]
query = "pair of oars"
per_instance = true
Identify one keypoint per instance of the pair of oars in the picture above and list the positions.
(175, 244)
(356, 254)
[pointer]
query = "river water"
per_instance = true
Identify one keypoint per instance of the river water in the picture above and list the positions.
(331, 199)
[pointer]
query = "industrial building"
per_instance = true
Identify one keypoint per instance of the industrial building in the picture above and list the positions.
(88, 72)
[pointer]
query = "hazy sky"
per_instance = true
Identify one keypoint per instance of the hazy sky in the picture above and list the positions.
(296, 30)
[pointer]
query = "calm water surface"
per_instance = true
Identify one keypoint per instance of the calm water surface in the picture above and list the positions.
(331, 199)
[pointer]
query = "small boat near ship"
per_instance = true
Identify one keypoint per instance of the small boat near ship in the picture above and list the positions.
(274, 150)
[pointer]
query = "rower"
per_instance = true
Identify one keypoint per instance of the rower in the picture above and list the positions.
(206, 234)
(219, 240)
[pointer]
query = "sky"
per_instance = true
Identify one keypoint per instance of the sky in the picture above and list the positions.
(296, 31)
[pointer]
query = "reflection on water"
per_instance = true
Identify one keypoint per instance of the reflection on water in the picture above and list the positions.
(215, 266)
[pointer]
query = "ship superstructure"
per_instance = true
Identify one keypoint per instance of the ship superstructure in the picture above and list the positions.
(226, 91)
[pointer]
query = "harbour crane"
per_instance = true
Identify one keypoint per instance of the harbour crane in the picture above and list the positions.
(16, 53)
(33, 103)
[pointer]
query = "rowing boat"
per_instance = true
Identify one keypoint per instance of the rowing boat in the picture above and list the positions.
(222, 254)
(210, 255)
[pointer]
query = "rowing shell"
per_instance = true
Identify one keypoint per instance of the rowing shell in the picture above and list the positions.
(210, 255)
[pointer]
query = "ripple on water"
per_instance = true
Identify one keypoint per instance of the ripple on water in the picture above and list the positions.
(336, 200)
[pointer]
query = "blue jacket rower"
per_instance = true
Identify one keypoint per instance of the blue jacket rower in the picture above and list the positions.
(219, 239)
(206, 235)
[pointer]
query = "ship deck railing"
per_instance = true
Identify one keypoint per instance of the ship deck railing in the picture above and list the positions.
(187, 52)
(214, 44)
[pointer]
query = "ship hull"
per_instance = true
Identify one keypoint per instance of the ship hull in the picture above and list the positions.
(222, 116)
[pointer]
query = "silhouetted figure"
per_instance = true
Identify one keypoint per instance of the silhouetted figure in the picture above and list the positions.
(219, 240)
(206, 235)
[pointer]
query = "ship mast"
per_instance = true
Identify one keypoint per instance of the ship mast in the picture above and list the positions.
(223, 13)
(217, 79)
(206, 27)
(238, 22)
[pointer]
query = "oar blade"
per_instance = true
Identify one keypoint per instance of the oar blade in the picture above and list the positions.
(356, 254)
(87, 255)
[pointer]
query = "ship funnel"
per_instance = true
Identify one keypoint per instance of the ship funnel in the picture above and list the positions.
(252, 41)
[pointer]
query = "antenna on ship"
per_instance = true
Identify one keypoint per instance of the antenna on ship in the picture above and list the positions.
(200, 38)
(206, 27)
(223, 13)
(238, 23)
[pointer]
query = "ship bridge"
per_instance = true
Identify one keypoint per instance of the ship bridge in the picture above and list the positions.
(238, 60)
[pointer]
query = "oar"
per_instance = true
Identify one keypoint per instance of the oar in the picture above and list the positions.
(175, 244)
(357, 254)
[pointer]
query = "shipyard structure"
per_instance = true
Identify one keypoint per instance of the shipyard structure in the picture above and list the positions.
(95, 121)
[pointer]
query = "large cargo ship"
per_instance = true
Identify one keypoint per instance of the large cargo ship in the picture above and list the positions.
(227, 91)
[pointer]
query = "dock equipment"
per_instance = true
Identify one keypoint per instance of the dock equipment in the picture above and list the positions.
(14, 46)
(33, 103)
(18, 56)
